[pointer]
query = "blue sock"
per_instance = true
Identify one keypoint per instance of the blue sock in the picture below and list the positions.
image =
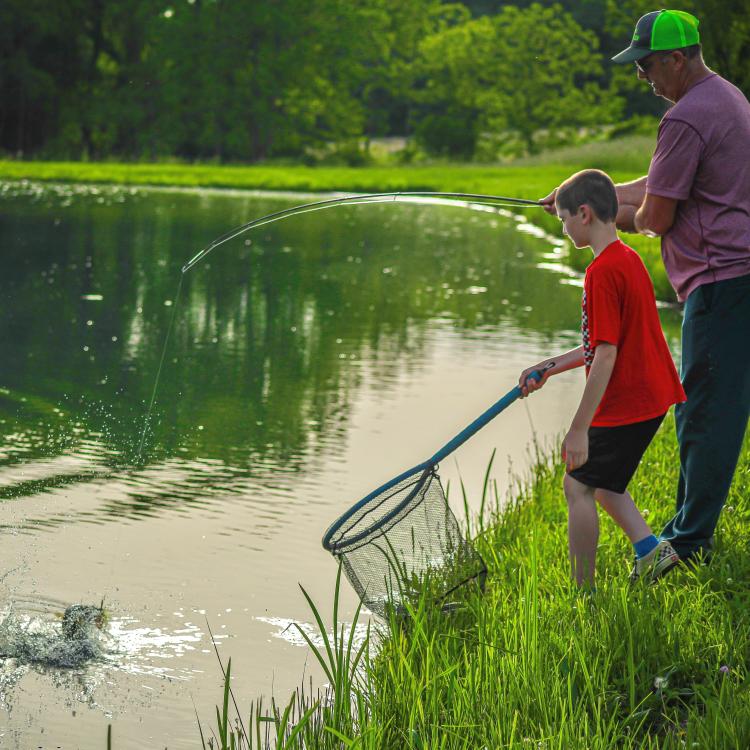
(645, 545)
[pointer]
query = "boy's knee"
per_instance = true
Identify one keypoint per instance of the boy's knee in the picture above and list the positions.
(575, 491)
(605, 497)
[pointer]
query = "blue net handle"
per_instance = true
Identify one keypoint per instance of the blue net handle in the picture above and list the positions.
(430, 464)
(483, 419)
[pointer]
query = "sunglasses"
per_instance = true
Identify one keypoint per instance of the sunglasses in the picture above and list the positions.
(645, 64)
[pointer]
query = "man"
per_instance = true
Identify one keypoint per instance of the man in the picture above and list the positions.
(696, 197)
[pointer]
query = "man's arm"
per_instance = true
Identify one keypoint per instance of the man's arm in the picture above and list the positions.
(625, 220)
(630, 196)
(655, 216)
(638, 211)
(575, 446)
(631, 193)
(642, 212)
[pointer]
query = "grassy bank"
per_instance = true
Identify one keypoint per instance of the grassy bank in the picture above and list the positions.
(516, 181)
(533, 177)
(531, 663)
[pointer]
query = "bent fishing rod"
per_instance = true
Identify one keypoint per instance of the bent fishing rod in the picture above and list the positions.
(353, 200)
(459, 199)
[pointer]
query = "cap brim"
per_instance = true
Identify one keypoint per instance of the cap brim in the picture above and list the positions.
(631, 54)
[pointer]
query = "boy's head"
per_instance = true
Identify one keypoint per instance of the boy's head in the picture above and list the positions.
(583, 200)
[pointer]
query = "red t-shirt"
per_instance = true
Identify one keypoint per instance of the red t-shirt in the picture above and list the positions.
(619, 308)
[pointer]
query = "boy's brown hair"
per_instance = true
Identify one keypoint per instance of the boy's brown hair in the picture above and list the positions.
(591, 187)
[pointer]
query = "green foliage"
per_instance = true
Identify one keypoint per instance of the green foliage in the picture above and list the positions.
(450, 133)
(528, 76)
(304, 79)
(224, 81)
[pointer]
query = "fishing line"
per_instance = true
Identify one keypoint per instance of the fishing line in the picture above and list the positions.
(161, 364)
(147, 418)
(464, 200)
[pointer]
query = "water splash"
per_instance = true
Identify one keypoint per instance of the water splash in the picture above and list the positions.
(59, 642)
(289, 630)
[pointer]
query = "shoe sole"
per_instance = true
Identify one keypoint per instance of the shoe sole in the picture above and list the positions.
(656, 576)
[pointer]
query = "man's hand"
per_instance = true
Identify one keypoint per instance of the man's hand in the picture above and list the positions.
(575, 449)
(548, 203)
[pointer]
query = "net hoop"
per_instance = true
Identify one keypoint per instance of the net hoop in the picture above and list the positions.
(338, 547)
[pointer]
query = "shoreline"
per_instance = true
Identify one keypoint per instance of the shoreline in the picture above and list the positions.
(513, 181)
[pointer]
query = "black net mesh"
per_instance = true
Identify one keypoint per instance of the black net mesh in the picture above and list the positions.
(403, 541)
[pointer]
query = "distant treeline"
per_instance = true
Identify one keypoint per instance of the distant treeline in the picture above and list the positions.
(249, 80)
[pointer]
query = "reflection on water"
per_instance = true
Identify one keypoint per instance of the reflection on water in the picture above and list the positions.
(309, 362)
(269, 342)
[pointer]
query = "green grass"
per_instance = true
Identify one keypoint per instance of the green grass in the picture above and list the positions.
(518, 182)
(532, 663)
(621, 155)
(533, 177)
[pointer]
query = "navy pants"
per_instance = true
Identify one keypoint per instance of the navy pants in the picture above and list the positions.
(711, 423)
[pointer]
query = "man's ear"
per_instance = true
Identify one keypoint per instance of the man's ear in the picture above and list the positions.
(586, 213)
(679, 58)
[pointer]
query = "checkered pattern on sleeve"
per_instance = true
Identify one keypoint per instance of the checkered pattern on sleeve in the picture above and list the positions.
(588, 352)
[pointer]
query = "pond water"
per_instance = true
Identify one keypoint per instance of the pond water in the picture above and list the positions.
(309, 362)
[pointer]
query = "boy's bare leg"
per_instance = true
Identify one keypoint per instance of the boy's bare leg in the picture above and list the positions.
(622, 510)
(583, 530)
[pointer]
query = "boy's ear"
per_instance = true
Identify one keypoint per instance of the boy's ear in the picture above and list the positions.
(587, 214)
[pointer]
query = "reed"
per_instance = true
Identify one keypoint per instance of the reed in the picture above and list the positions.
(534, 663)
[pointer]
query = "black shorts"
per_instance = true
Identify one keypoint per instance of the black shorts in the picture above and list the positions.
(614, 454)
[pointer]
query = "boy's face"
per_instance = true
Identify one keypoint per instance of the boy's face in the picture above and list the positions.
(576, 225)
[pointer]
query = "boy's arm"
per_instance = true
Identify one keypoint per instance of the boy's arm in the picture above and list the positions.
(630, 196)
(561, 363)
(575, 448)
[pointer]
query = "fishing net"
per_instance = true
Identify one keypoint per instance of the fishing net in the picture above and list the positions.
(403, 540)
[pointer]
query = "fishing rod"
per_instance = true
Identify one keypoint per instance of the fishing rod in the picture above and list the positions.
(353, 200)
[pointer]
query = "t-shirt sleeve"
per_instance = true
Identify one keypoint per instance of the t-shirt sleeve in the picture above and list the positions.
(675, 160)
(606, 310)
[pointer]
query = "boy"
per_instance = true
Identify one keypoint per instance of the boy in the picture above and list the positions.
(631, 382)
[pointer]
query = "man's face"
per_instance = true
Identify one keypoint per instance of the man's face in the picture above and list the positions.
(661, 70)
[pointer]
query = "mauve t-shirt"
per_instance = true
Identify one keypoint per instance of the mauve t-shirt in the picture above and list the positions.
(702, 159)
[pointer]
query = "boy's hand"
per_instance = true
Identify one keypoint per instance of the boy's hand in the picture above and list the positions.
(548, 203)
(575, 449)
(527, 384)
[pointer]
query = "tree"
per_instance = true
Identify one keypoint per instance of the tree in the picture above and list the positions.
(527, 75)
(40, 64)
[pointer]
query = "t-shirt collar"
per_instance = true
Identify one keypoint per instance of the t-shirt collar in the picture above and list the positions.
(612, 244)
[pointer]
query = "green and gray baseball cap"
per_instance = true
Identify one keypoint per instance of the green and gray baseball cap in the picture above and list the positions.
(660, 30)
